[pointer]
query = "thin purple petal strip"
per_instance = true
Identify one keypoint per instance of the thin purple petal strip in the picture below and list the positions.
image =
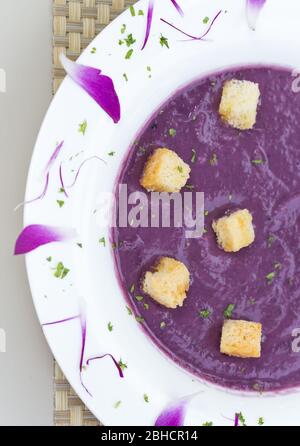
(113, 359)
(53, 157)
(77, 173)
(62, 321)
(189, 35)
(149, 22)
(177, 7)
(34, 236)
(236, 419)
(98, 86)
(40, 197)
(174, 414)
(254, 7)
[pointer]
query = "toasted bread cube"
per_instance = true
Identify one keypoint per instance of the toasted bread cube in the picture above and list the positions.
(165, 172)
(234, 231)
(239, 103)
(241, 339)
(168, 283)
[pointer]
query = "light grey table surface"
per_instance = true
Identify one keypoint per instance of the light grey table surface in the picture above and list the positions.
(26, 368)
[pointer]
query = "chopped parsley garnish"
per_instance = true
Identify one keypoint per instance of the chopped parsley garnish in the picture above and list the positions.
(129, 40)
(270, 240)
(270, 276)
(129, 311)
(257, 162)
(141, 12)
(261, 421)
(172, 132)
(121, 42)
(132, 11)
(139, 319)
(180, 169)
(146, 306)
(61, 190)
(229, 310)
(149, 68)
(162, 325)
(242, 419)
(214, 159)
(82, 127)
(207, 423)
(122, 365)
(204, 314)
(205, 20)
(132, 288)
(193, 159)
(111, 153)
(139, 298)
(49, 259)
(146, 398)
(61, 271)
(110, 326)
(117, 404)
(80, 245)
(125, 77)
(93, 50)
(205, 213)
(164, 41)
(123, 28)
(60, 203)
(190, 186)
(102, 241)
(129, 54)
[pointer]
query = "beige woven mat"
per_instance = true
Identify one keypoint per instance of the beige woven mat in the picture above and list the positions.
(75, 24)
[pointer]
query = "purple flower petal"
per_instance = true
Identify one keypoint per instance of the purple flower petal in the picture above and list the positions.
(253, 9)
(236, 419)
(177, 7)
(149, 22)
(77, 173)
(34, 236)
(191, 36)
(174, 414)
(53, 157)
(62, 321)
(98, 86)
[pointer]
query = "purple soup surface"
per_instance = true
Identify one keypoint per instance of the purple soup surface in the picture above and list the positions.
(269, 189)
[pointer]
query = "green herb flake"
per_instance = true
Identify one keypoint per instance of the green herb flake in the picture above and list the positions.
(139, 319)
(146, 398)
(80, 245)
(121, 42)
(49, 259)
(129, 311)
(111, 153)
(205, 20)
(60, 203)
(122, 365)
(132, 11)
(257, 161)
(213, 160)
(194, 156)
(204, 314)
(129, 40)
(60, 271)
(93, 50)
(141, 12)
(82, 127)
(205, 213)
(180, 169)
(146, 306)
(123, 28)
(139, 298)
(162, 325)
(270, 240)
(61, 190)
(261, 421)
(110, 326)
(207, 423)
(117, 404)
(128, 54)
(164, 41)
(132, 288)
(172, 132)
(270, 276)
(125, 77)
(102, 241)
(149, 68)
(241, 419)
(190, 186)
(229, 310)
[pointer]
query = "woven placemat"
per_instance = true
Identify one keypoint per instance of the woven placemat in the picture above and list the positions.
(75, 24)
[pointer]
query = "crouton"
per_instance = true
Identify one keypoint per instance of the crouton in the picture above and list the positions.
(165, 172)
(239, 103)
(168, 283)
(241, 339)
(234, 231)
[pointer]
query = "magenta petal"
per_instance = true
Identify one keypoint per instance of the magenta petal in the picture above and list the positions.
(254, 7)
(64, 187)
(236, 419)
(96, 358)
(98, 86)
(177, 7)
(34, 236)
(174, 414)
(149, 22)
(53, 157)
